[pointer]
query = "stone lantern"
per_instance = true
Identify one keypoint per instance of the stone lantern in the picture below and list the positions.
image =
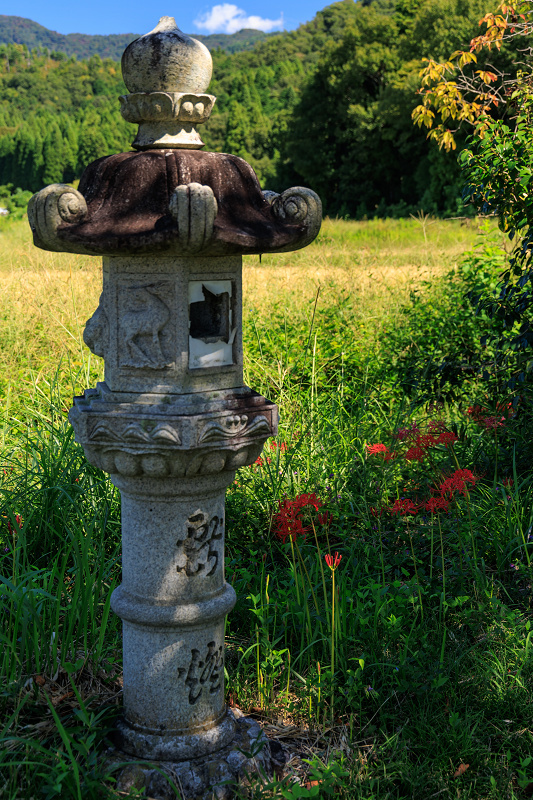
(172, 421)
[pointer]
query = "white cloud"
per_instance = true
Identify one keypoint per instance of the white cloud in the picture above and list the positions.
(228, 18)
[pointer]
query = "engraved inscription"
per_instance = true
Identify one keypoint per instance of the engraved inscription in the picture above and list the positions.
(143, 317)
(203, 673)
(198, 553)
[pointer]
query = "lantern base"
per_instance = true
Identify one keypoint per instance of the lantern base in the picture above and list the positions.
(213, 776)
(142, 743)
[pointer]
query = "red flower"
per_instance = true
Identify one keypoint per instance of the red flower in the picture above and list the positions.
(426, 441)
(415, 454)
(476, 411)
(436, 504)
(490, 421)
(18, 520)
(260, 462)
(457, 482)
(377, 449)
(407, 433)
(333, 561)
(447, 438)
(436, 426)
(403, 506)
(288, 522)
(282, 446)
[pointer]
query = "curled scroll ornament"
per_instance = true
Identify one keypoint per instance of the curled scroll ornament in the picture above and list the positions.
(50, 208)
(297, 206)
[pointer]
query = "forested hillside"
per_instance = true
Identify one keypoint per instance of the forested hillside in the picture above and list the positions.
(18, 30)
(327, 105)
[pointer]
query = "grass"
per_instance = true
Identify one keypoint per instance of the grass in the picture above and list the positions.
(409, 675)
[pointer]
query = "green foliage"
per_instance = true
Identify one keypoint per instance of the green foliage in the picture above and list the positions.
(327, 105)
(14, 201)
(499, 171)
(439, 349)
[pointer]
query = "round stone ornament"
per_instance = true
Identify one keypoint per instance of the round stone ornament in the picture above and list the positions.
(166, 60)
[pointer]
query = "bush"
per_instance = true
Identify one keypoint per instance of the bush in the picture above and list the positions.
(15, 201)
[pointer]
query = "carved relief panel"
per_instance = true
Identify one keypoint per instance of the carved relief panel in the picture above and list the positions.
(169, 325)
(145, 328)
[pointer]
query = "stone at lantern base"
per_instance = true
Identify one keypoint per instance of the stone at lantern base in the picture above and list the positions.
(212, 776)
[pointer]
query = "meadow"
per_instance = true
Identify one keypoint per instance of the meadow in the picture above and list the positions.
(397, 667)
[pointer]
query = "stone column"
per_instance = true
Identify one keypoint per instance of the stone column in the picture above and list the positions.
(173, 601)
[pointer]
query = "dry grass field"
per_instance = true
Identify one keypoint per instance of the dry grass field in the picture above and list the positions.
(47, 297)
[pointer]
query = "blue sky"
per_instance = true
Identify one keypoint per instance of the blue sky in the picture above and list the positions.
(137, 16)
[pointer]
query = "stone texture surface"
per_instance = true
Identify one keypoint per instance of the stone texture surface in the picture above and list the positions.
(49, 209)
(148, 323)
(213, 776)
(167, 60)
(128, 197)
(173, 602)
(167, 119)
(169, 439)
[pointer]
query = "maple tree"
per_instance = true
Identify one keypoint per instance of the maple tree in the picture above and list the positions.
(464, 90)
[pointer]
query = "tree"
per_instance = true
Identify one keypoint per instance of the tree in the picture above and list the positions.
(468, 88)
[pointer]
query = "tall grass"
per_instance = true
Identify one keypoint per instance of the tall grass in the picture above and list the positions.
(425, 664)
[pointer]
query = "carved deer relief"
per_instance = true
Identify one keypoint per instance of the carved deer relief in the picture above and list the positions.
(143, 316)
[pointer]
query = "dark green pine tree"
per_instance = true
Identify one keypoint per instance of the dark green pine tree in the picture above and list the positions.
(70, 144)
(236, 140)
(53, 155)
(92, 144)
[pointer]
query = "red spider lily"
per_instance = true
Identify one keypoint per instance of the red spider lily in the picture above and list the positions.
(489, 421)
(282, 446)
(407, 433)
(404, 506)
(508, 483)
(435, 504)
(376, 512)
(415, 454)
(308, 500)
(333, 561)
(457, 482)
(260, 462)
(18, 520)
(426, 441)
(447, 438)
(288, 522)
(377, 449)
(436, 426)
